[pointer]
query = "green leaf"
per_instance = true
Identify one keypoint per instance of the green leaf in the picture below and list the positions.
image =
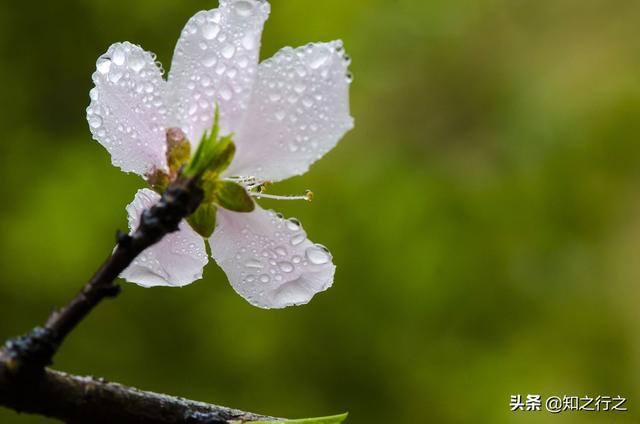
(213, 154)
(222, 155)
(201, 158)
(233, 196)
(334, 419)
(203, 220)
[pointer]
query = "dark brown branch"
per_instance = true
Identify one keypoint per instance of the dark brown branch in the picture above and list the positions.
(27, 386)
(76, 399)
(29, 354)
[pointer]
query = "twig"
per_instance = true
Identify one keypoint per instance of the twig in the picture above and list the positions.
(26, 385)
(29, 354)
(76, 399)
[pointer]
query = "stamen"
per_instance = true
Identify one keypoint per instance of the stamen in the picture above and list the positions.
(308, 196)
(243, 180)
(264, 186)
(257, 188)
(256, 185)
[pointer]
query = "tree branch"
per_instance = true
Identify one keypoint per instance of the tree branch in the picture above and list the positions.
(26, 385)
(29, 354)
(76, 399)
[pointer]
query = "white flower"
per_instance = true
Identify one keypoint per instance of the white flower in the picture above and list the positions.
(285, 113)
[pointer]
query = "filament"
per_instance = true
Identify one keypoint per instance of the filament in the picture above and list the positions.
(308, 196)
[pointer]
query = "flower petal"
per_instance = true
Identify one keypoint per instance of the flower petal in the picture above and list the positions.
(126, 114)
(269, 260)
(299, 111)
(176, 260)
(215, 61)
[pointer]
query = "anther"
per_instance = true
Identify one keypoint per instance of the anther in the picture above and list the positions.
(264, 186)
(309, 195)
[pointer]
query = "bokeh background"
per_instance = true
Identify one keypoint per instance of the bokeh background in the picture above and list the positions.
(484, 214)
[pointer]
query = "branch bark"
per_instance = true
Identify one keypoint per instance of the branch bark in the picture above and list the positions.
(26, 385)
(29, 354)
(74, 399)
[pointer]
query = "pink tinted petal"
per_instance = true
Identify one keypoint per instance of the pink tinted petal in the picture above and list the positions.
(175, 261)
(269, 260)
(215, 60)
(126, 114)
(299, 111)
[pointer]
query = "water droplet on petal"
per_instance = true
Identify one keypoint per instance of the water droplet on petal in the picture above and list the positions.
(318, 254)
(248, 41)
(297, 239)
(136, 63)
(209, 60)
(252, 263)
(118, 56)
(115, 76)
(232, 72)
(286, 266)
(103, 65)
(228, 51)
(264, 278)
(210, 31)
(318, 61)
(244, 8)
(293, 224)
(95, 121)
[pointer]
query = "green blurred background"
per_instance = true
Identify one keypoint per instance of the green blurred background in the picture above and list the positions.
(484, 214)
